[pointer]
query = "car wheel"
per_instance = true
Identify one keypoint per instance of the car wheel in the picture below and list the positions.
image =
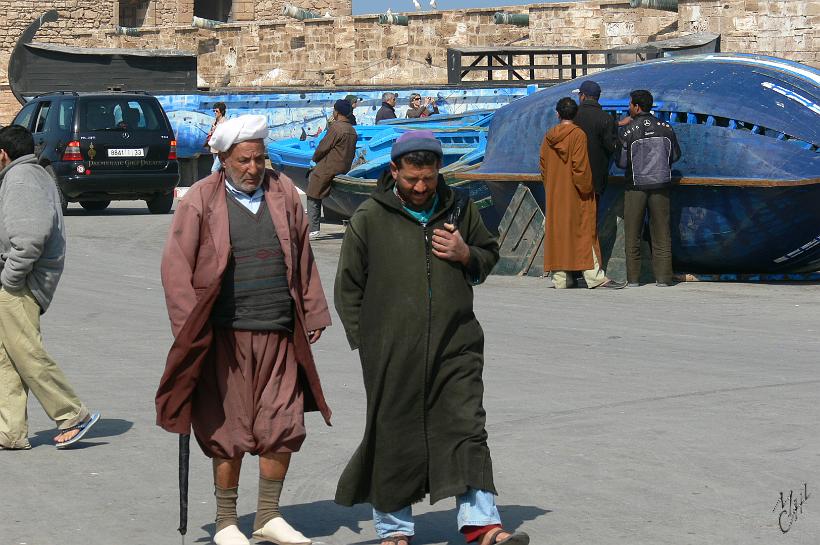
(95, 206)
(63, 200)
(161, 204)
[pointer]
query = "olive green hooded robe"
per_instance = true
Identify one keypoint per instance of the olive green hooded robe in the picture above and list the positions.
(410, 314)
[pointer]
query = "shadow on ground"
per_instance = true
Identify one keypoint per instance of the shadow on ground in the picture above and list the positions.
(325, 518)
(105, 427)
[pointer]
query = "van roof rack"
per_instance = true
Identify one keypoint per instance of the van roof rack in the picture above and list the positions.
(73, 93)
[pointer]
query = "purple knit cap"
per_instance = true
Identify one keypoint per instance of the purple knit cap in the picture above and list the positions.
(415, 141)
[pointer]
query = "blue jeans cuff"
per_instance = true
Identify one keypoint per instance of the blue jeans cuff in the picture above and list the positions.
(483, 522)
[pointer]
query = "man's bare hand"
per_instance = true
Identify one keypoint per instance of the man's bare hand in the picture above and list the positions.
(314, 335)
(625, 121)
(448, 244)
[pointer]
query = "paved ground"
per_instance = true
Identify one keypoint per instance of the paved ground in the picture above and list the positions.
(645, 416)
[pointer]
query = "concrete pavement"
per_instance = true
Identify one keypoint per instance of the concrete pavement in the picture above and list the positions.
(640, 416)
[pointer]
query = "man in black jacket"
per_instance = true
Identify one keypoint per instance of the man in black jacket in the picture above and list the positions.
(648, 149)
(388, 109)
(602, 140)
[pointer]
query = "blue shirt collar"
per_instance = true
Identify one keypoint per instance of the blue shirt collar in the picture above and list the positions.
(241, 195)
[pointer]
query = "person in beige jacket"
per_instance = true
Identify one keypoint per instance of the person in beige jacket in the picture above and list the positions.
(333, 156)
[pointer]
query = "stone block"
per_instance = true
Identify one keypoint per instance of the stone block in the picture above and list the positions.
(801, 22)
(745, 24)
(779, 24)
(620, 29)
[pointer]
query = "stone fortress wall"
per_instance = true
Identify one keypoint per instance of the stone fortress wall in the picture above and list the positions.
(258, 47)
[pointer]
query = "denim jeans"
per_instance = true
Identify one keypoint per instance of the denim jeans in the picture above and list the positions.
(475, 508)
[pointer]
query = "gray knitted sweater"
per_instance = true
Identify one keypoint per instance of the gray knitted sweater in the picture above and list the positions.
(32, 233)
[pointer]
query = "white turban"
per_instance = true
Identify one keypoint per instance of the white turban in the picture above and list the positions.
(238, 129)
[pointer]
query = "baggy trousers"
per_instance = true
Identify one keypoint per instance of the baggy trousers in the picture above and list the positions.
(25, 365)
(635, 204)
(594, 277)
(249, 398)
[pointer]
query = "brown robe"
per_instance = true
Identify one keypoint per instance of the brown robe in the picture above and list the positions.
(570, 226)
(334, 155)
(193, 263)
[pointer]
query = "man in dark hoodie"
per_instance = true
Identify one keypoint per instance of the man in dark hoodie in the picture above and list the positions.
(570, 238)
(32, 253)
(404, 291)
(602, 139)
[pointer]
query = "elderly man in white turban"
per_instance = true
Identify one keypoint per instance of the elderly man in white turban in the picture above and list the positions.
(245, 303)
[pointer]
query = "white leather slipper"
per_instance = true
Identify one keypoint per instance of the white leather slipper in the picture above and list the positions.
(278, 531)
(230, 535)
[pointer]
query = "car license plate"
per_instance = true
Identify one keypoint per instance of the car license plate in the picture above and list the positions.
(133, 152)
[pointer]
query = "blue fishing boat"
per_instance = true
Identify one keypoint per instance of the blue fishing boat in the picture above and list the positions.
(295, 114)
(455, 143)
(293, 157)
(747, 192)
(373, 140)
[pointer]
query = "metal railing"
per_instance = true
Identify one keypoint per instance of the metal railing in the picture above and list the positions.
(536, 64)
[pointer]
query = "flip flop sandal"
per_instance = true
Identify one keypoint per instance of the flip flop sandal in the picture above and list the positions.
(516, 538)
(83, 429)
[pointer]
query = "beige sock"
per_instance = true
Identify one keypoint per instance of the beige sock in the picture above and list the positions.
(226, 507)
(267, 506)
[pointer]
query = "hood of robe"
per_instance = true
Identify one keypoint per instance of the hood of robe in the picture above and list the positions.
(558, 141)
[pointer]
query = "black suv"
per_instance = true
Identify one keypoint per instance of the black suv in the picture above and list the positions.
(100, 147)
